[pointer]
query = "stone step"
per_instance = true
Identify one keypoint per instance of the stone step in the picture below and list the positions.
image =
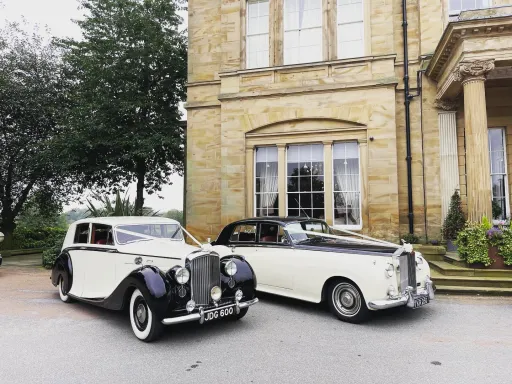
(462, 290)
(430, 252)
(471, 281)
(449, 269)
(453, 258)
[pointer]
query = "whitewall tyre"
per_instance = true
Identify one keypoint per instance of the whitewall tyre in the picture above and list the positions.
(63, 293)
(347, 302)
(144, 324)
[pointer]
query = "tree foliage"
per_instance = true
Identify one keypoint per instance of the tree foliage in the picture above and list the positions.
(129, 72)
(120, 206)
(33, 96)
(175, 214)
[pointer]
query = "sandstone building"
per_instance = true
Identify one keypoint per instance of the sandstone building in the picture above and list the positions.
(297, 107)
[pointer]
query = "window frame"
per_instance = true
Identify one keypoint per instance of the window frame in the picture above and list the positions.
(300, 209)
(276, 243)
(453, 13)
(283, 30)
(255, 176)
(89, 225)
(349, 227)
(363, 39)
(503, 130)
(246, 32)
(256, 234)
(92, 229)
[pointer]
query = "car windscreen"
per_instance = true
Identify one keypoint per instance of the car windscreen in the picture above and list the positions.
(296, 230)
(145, 232)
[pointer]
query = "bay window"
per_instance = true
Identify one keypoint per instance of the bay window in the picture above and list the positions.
(350, 28)
(302, 31)
(267, 202)
(305, 183)
(346, 182)
(257, 33)
(499, 178)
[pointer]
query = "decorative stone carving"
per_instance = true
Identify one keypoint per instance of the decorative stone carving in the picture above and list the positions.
(473, 70)
(447, 105)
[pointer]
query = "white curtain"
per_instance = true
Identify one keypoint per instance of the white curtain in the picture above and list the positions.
(267, 172)
(346, 174)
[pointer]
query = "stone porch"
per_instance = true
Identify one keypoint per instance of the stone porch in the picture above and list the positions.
(472, 66)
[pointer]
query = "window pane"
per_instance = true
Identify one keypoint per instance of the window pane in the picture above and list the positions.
(82, 234)
(266, 181)
(257, 34)
(455, 5)
(346, 184)
(244, 233)
(269, 233)
(317, 183)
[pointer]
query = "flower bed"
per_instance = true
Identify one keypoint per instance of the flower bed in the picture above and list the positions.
(484, 246)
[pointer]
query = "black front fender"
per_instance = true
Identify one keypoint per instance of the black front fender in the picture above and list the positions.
(152, 283)
(245, 278)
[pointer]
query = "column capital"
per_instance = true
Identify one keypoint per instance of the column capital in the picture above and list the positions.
(327, 142)
(249, 147)
(280, 146)
(476, 70)
(447, 105)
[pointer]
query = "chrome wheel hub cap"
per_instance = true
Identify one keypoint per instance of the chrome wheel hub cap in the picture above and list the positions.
(141, 313)
(347, 299)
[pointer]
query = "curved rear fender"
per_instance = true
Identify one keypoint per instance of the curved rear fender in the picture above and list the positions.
(245, 278)
(63, 267)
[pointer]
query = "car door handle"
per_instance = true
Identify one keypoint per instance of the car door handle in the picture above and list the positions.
(82, 248)
(138, 260)
(149, 261)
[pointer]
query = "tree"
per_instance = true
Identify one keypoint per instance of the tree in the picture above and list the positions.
(129, 73)
(118, 207)
(33, 95)
(455, 220)
(40, 211)
(175, 214)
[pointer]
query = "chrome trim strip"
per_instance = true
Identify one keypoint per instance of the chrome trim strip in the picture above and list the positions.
(406, 299)
(248, 303)
(200, 316)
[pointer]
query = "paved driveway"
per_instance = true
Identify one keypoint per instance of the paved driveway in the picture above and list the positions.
(454, 340)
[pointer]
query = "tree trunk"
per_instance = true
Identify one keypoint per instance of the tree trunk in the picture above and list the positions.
(7, 228)
(139, 200)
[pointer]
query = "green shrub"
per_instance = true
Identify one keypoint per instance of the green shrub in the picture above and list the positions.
(411, 238)
(473, 243)
(455, 220)
(31, 238)
(505, 246)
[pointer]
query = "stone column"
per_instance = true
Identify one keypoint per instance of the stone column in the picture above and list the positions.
(473, 75)
(281, 172)
(448, 156)
(328, 183)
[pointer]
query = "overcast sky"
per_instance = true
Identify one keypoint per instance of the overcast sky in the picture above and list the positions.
(57, 15)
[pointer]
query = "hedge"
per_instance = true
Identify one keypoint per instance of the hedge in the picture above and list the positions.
(25, 238)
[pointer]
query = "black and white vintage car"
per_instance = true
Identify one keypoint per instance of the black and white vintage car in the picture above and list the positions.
(143, 263)
(302, 258)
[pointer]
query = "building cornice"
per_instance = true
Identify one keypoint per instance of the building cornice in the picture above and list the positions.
(457, 31)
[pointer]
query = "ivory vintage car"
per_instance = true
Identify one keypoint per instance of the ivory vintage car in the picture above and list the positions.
(143, 263)
(301, 258)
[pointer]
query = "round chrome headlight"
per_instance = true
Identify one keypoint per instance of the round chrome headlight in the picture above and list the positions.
(230, 268)
(390, 270)
(182, 275)
(216, 293)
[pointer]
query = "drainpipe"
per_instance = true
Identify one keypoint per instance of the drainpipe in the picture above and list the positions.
(407, 103)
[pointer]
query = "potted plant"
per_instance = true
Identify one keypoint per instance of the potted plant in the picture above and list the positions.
(473, 244)
(454, 222)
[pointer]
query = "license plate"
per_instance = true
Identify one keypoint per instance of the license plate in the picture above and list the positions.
(218, 313)
(420, 301)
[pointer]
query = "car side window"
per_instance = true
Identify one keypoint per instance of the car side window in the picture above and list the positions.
(102, 234)
(271, 233)
(245, 233)
(82, 234)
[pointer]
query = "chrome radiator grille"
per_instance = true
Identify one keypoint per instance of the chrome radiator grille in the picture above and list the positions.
(204, 275)
(407, 271)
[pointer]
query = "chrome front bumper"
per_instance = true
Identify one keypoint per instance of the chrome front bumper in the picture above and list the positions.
(200, 316)
(408, 298)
